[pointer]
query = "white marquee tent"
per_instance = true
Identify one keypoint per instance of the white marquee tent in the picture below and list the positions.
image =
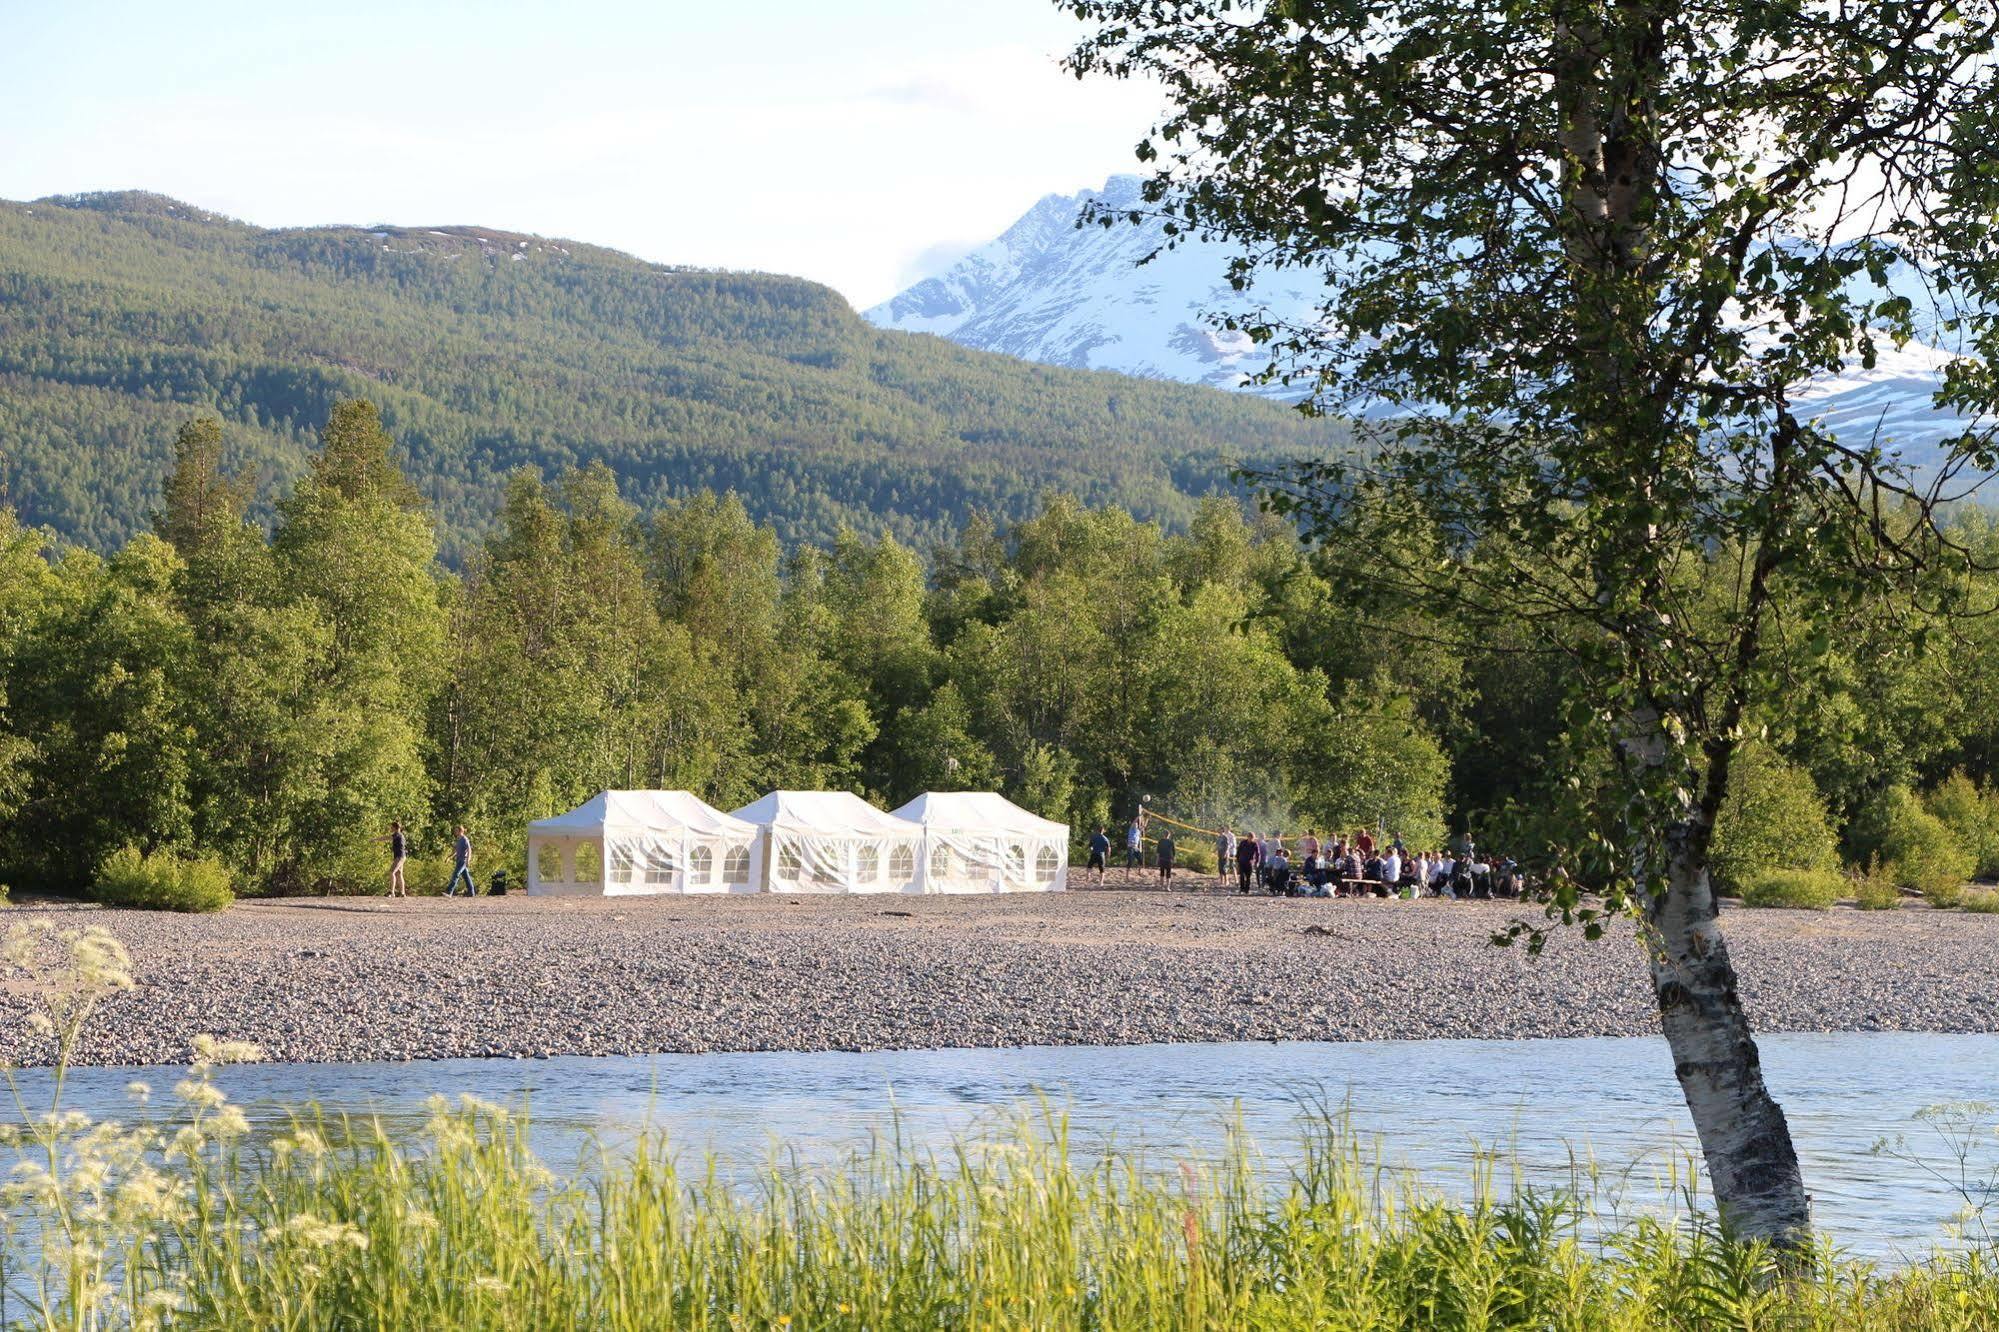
(832, 842)
(981, 842)
(621, 843)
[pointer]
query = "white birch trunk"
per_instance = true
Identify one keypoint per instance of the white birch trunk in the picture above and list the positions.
(1758, 1188)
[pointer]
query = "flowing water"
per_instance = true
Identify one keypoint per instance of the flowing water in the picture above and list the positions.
(1431, 1105)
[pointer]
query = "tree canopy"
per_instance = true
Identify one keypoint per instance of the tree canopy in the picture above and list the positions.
(1583, 261)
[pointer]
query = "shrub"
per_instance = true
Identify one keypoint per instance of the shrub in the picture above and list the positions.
(163, 881)
(1944, 893)
(1773, 818)
(1971, 812)
(1918, 849)
(428, 876)
(1981, 904)
(1875, 891)
(1804, 889)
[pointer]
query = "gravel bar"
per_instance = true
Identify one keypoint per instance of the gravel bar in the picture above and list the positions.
(342, 979)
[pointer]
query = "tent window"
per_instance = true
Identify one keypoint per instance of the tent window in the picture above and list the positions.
(659, 868)
(867, 863)
(1016, 861)
(701, 865)
(1047, 864)
(787, 861)
(902, 864)
(736, 865)
(621, 864)
(548, 863)
(940, 862)
(589, 862)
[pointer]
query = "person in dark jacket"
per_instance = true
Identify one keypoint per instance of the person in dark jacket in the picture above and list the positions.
(1245, 862)
(1166, 851)
(1100, 851)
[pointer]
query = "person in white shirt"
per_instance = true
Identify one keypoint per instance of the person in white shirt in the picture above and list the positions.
(1422, 873)
(1391, 870)
(1446, 870)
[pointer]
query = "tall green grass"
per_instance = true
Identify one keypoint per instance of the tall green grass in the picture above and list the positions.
(189, 1221)
(461, 1227)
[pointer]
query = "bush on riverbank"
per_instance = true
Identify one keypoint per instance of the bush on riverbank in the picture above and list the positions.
(1773, 818)
(1802, 889)
(1875, 891)
(1971, 811)
(1983, 903)
(1918, 850)
(163, 881)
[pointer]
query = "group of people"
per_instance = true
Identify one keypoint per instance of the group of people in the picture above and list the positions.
(1355, 866)
(1344, 865)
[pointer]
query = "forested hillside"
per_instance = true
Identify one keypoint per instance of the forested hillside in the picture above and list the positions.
(488, 351)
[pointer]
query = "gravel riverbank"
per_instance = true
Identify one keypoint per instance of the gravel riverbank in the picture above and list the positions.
(423, 978)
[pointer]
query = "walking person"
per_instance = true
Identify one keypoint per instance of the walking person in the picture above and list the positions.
(461, 855)
(1166, 850)
(1224, 854)
(1100, 851)
(398, 852)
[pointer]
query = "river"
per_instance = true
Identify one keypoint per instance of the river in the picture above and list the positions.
(1430, 1105)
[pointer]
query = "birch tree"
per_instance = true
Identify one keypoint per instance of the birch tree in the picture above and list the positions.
(1579, 261)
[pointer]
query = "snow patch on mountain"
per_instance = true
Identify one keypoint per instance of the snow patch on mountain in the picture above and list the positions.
(1046, 290)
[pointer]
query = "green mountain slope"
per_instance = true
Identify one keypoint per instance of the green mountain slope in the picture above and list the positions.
(486, 351)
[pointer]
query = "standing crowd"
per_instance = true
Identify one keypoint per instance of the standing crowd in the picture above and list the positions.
(1343, 865)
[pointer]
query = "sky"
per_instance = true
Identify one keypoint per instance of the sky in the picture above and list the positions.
(862, 143)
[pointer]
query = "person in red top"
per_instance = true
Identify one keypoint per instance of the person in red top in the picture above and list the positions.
(1363, 842)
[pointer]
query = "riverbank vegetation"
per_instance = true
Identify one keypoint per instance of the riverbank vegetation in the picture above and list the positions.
(186, 1217)
(265, 699)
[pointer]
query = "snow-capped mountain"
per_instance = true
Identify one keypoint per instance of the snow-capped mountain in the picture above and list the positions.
(1048, 291)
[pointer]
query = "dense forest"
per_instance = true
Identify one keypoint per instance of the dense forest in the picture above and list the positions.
(275, 696)
(271, 695)
(488, 352)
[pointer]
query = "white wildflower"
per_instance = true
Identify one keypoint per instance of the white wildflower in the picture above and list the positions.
(214, 1050)
(309, 1231)
(200, 1093)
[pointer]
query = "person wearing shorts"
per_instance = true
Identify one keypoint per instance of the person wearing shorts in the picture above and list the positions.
(1166, 853)
(1100, 850)
(399, 847)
